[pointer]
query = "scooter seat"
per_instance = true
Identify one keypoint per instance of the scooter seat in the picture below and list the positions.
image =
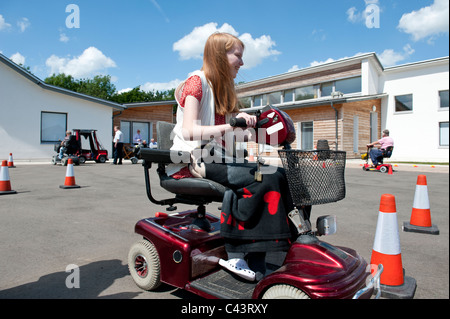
(198, 187)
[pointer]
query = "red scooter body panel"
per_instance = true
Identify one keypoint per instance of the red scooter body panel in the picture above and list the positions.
(177, 244)
(321, 270)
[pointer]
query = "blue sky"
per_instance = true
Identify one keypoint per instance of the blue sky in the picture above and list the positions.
(155, 44)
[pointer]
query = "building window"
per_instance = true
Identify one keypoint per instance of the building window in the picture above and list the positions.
(288, 96)
(443, 134)
(125, 127)
(274, 98)
(307, 133)
(326, 89)
(443, 99)
(260, 100)
(246, 102)
(144, 128)
(347, 86)
(404, 103)
(129, 130)
(305, 93)
(53, 127)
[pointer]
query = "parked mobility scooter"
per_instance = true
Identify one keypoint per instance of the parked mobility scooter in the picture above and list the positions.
(183, 249)
(83, 146)
(381, 167)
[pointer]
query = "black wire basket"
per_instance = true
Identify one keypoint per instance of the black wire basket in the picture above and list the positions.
(314, 177)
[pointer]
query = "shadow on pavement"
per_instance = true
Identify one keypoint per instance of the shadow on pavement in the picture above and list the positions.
(94, 278)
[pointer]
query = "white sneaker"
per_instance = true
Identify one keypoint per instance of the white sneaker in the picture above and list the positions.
(239, 267)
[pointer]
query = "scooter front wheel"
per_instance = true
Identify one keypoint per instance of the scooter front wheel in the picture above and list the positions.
(383, 169)
(284, 292)
(144, 265)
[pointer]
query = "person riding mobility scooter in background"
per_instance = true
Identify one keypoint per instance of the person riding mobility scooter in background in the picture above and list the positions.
(377, 151)
(80, 146)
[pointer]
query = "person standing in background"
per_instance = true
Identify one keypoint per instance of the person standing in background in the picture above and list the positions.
(118, 146)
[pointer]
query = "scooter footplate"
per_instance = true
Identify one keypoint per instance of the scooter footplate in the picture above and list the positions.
(224, 285)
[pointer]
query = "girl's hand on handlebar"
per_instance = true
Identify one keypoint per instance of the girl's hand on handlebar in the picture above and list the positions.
(249, 119)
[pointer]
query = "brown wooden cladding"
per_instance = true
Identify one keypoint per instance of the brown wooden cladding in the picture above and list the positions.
(148, 114)
(323, 118)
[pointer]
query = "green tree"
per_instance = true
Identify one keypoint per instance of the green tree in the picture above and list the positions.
(101, 87)
(63, 81)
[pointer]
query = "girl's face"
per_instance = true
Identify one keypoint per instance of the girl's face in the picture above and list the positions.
(235, 59)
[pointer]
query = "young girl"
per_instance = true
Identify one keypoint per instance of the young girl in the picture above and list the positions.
(254, 214)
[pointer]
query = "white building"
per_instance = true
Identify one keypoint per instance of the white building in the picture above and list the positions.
(35, 115)
(416, 110)
(411, 100)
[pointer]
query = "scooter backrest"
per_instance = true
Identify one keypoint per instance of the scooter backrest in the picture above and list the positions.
(164, 133)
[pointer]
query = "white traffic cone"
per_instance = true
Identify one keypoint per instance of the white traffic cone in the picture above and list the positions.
(70, 178)
(5, 183)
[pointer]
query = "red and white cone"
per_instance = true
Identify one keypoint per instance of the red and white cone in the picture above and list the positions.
(386, 251)
(11, 161)
(420, 221)
(70, 177)
(5, 183)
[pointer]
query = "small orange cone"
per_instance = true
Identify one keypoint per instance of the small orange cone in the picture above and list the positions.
(11, 161)
(70, 178)
(420, 221)
(386, 251)
(5, 183)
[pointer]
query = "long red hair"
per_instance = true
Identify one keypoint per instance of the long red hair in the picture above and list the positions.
(217, 71)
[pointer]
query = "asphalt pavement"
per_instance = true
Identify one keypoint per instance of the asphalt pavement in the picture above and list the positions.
(46, 230)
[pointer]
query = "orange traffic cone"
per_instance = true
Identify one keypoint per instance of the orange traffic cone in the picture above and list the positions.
(251, 158)
(5, 183)
(386, 251)
(70, 178)
(420, 221)
(390, 171)
(10, 161)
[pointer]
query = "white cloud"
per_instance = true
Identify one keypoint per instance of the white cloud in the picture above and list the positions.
(294, 68)
(63, 38)
(389, 57)
(91, 62)
(329, 60)
(124, 90)
(427, 22)
(256, 50)
(354, 16)
(150, 87)
(3, 24)
(192, 45)
(23, 24)
(18, 58)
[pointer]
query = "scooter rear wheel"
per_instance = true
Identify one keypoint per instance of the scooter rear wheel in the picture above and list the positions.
(144, 265)
(284, 292)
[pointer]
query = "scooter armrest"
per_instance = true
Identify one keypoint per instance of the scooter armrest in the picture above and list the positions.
(164, 156)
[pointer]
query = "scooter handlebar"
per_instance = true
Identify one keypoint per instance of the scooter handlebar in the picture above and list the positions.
(238, 122)
(241, 122)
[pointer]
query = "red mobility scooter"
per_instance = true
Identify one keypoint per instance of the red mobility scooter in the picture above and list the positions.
(381, 167)
(183, 249)
(83, 145)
